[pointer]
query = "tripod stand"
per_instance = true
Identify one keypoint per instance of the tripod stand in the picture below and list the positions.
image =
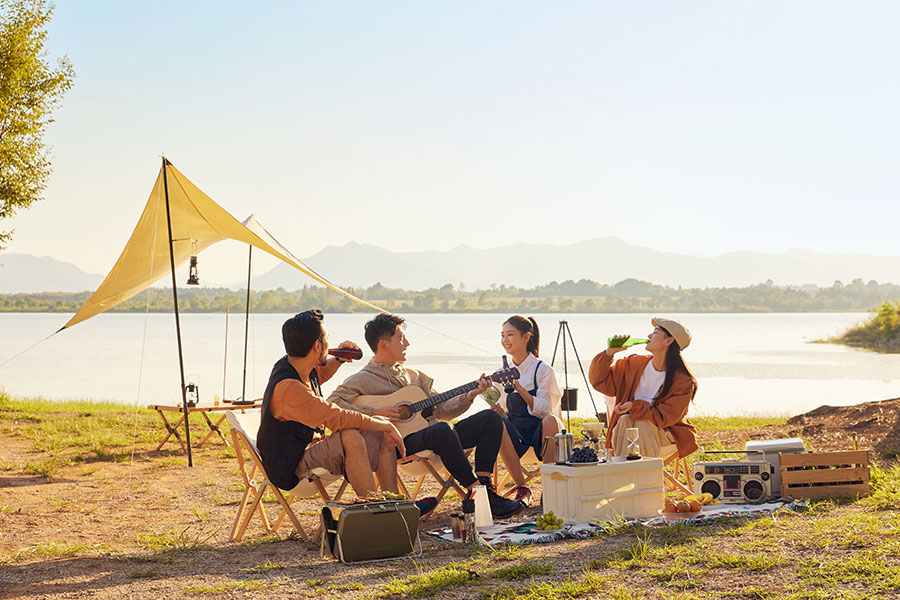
(568, 394)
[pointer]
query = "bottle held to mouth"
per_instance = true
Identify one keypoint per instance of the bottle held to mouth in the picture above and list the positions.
(346, 353)
(625, 341)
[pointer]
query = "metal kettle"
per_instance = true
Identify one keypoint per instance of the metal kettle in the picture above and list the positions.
(565, 443)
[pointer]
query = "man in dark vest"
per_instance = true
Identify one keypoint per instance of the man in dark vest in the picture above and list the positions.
(293, 411)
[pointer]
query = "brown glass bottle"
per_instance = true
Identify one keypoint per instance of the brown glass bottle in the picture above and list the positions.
(346, 353)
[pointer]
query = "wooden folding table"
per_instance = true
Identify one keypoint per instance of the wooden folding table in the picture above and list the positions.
(203, 409)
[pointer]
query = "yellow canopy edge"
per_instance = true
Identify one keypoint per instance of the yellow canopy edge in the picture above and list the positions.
(197, 223)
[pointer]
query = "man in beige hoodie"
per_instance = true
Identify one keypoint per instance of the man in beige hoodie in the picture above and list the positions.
(293, 411)
(386, 374)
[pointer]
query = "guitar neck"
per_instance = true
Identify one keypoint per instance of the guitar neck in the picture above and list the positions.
(435, 400)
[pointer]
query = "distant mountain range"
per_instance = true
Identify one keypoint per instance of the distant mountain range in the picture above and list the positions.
(25, 274)
(604, 260)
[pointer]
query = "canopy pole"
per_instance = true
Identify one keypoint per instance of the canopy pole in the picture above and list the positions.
(187, 421)
(225, 360)
(246, 323)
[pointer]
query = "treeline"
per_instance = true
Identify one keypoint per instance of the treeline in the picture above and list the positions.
(880, 332)
(630, 295)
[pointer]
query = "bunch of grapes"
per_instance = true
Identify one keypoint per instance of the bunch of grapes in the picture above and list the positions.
(548, 521)
(583, 455)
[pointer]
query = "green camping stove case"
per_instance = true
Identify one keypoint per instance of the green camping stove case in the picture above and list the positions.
(371, 531)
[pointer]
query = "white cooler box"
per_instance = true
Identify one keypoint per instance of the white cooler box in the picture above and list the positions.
(604, 492)
(769, 450)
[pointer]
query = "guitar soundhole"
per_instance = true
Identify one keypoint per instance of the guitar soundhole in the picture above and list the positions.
(405, 411)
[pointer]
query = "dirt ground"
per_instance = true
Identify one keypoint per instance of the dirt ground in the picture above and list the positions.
(868, 426)
(151, 527)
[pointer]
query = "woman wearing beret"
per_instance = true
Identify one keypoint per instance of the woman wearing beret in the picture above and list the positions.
(652, 392)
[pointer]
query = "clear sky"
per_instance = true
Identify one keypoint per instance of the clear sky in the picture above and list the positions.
(693, 127)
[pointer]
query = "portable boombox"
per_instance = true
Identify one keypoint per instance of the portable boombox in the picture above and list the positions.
(734, 481)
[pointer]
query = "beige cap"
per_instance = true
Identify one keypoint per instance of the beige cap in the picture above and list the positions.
(675, 329)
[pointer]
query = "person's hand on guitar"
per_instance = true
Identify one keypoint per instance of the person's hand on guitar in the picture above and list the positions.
(389, 412)
(483, 383)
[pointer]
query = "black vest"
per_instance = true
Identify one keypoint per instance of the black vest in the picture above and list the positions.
(281, 444)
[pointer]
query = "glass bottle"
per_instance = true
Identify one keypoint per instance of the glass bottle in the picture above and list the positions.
(468, 507)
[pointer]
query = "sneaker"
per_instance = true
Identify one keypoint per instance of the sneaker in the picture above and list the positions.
(501, 507)
(426, 505)
(523, 494)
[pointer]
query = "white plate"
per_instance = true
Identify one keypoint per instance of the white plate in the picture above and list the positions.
(584, 464)
(677, 516)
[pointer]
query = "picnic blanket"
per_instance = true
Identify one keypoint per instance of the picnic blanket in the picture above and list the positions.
(526, 532)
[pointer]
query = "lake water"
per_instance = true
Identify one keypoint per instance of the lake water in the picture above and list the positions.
(745, 363)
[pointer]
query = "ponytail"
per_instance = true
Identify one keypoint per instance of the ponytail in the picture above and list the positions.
(524, 326)
(534, 342)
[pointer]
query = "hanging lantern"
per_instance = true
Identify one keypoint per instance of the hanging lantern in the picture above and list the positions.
(193, 277)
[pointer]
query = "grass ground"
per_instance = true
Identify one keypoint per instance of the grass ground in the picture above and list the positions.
(68, 529)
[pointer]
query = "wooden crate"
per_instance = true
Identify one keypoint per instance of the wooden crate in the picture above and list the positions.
(825, 474)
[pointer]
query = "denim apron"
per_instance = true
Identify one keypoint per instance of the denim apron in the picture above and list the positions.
(524, 428)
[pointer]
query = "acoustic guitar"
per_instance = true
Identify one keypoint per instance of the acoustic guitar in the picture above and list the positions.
(415, 405)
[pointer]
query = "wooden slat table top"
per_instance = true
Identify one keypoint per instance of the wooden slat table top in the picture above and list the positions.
(205, 407)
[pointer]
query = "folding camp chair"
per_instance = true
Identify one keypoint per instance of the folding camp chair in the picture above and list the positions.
(663, 446)
(426, 464)
(531, 468)
(256, 481)
(673, 479)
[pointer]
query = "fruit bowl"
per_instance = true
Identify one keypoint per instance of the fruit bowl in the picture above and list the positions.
(583, 464)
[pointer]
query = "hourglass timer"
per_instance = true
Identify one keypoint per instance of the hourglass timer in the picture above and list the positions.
(634, 449)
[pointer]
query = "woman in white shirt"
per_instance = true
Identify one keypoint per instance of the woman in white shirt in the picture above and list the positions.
(531, 403)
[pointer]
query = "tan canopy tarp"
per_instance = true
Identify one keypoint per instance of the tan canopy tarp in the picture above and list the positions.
(197, 223)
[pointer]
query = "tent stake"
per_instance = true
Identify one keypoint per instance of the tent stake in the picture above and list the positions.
(187, 421)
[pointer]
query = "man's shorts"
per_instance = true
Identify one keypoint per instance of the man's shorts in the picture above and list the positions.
(328, 453)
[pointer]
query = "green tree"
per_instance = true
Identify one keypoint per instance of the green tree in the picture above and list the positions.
(29, 91)
(886, 319)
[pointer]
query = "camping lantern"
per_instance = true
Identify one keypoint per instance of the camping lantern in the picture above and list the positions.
(192, 391)
(193, 277)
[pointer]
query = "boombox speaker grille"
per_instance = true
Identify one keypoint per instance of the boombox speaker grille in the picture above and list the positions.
(711, 487)
(754, 491)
